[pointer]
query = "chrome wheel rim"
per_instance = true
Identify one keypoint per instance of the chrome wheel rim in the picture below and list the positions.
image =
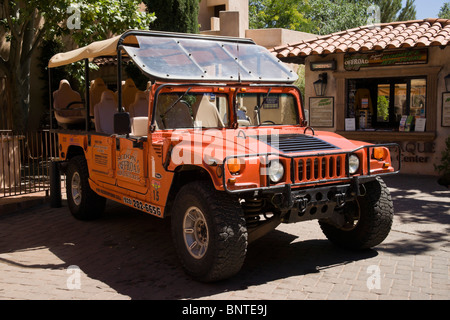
(195, 232)
(76, 188)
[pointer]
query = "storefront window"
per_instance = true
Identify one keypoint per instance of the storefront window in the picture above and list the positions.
(384, 104)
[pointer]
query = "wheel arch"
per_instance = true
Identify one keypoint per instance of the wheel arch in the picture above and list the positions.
(73, 151)
(185, 174)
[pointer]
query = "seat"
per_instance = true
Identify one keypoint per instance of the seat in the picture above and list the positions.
(95, 93)
(206, 114)
(129, 91)
(104, 112)
(178, 117)
(69, 108)
(139, 108)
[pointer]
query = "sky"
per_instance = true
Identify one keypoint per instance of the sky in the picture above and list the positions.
(428, 8)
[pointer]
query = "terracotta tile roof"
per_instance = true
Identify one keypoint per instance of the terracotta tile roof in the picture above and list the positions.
(393, 35)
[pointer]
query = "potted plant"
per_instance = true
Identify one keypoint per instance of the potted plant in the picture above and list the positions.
(444, 167)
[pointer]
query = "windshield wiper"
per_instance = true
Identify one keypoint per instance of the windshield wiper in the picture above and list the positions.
(173, 104)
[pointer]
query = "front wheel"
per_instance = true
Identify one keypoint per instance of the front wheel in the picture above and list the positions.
(209, 232)
(368, 219)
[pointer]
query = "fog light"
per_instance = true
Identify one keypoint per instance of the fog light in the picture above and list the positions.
(379, 153)
(234, 165)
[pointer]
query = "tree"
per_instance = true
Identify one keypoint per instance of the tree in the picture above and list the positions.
(286, 14)
(175, 15)
(329, 16)
(27, 23)
(391, 10)
(408, 12)
(444, 13)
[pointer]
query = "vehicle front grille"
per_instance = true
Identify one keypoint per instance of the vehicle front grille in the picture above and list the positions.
(320, 168)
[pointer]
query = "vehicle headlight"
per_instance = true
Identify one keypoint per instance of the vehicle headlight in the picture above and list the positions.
(275, 171)
(353, 163)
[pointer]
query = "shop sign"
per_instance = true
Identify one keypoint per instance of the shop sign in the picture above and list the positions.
(321, 112)
(353, 62)
(323, 65)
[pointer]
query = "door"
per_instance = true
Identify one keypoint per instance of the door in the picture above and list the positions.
(132, 164)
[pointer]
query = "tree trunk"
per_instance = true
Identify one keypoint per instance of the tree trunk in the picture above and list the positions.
(18, 75)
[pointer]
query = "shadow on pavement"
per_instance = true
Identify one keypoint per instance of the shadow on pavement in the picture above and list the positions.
(133, 253)
(422, 214)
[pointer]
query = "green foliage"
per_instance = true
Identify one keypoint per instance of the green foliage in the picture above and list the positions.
(300, 83)
(329, 16)
(175, 15)
(408, 12)
(383, 108)
(444, 13)
(99, 19)
(444, 167)
(324, 16)
(391, 10)
(286, 14)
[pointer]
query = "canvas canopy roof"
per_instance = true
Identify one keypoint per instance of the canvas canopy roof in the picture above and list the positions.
(96, 49)
(182, 57)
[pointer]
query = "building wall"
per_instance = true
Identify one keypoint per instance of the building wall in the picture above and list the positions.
(226, 24)
(420, 151)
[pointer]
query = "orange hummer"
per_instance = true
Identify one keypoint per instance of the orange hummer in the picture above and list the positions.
(218, 141)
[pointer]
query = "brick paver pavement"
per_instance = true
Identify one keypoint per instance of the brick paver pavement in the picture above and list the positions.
(46, 254)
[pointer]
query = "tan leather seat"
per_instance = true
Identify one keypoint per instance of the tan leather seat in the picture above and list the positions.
(178, 117)
(104, 113)
(67, 104)
(129, 91)
(206, 114)
(139, 108)
(95, 93)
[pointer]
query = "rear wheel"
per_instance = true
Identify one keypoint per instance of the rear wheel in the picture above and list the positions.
(368, 219)
(209, 232)
(84, 203)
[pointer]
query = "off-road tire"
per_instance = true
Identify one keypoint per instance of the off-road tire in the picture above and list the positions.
(376, 214)
(83, 202)
(223, 224)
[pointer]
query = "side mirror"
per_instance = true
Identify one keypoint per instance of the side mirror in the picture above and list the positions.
(122, 123)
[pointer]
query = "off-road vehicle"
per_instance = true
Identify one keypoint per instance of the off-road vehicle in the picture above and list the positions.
(217, 141)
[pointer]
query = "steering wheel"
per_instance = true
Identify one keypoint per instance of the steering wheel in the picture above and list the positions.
(269, 121)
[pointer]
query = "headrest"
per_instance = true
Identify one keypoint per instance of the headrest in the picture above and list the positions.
(98, 83)
(64, 84)
(129, 83)
(140, 95)
(107, 95)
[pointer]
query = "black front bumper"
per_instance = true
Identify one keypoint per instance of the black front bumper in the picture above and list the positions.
(297, 205)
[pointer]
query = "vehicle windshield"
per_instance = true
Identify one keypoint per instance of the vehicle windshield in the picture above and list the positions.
(256, 109)
(190, 109)
(206, 60)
